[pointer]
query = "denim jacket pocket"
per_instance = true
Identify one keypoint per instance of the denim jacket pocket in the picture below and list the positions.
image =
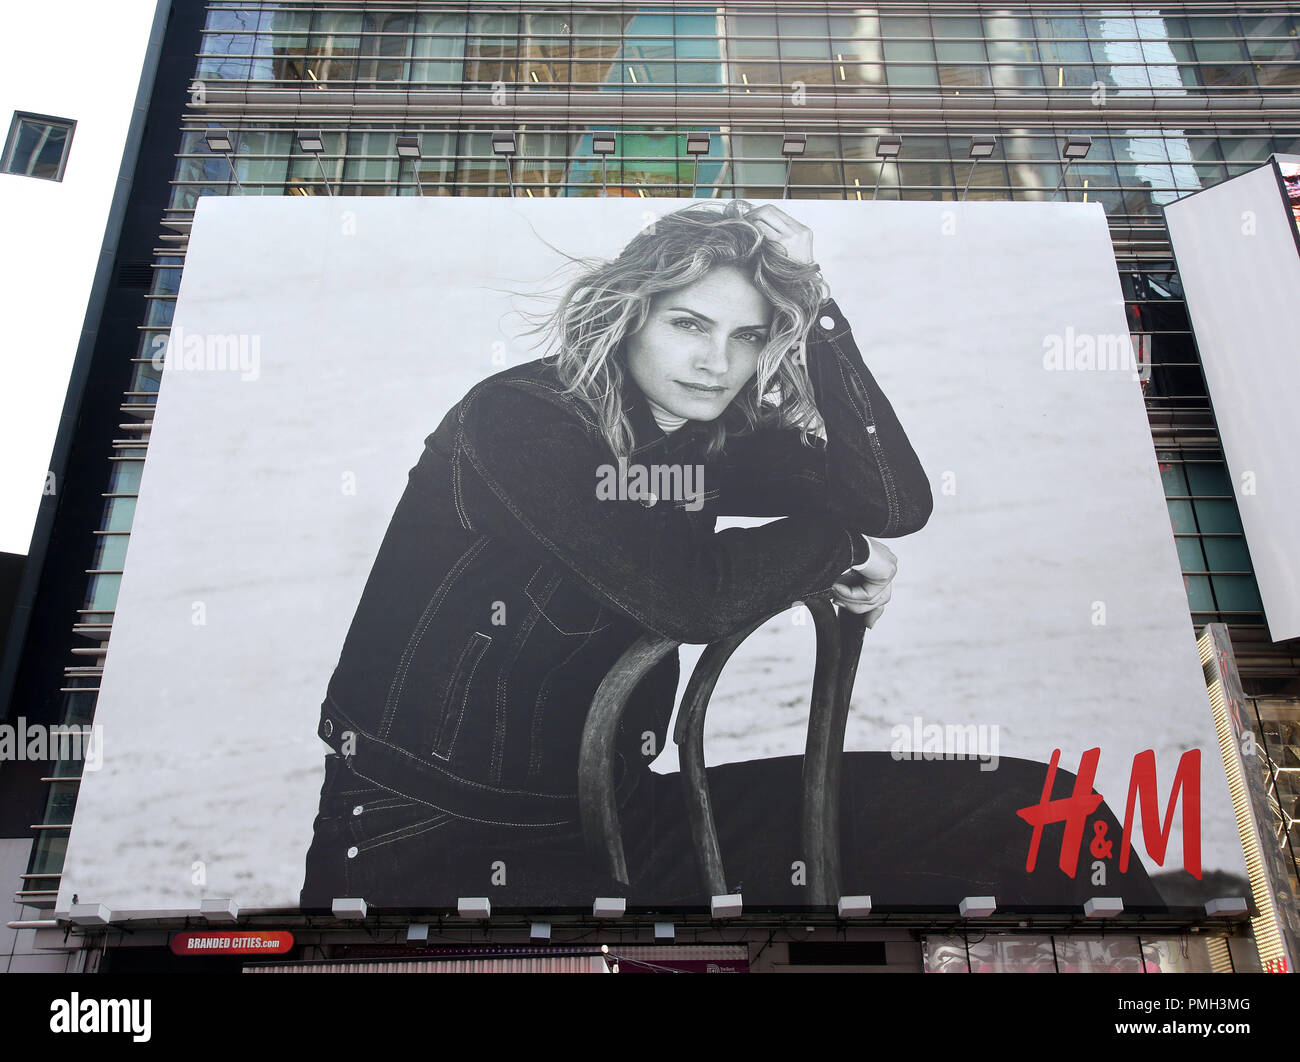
(449, 712)
(562, 605)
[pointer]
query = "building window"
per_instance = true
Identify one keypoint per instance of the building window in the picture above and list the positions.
(1217, 571)
(37, 146)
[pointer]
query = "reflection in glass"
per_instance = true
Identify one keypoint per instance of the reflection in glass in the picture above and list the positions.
(37, 148)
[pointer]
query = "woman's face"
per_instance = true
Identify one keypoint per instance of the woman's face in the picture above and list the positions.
(700, 344)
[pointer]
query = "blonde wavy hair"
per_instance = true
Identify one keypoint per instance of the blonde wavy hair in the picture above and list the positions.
(610, 301)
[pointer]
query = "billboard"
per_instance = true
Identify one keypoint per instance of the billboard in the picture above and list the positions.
(445, 497)
(1236, 246)
(1291, 181)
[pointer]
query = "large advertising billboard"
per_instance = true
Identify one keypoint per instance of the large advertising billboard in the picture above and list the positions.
(444, 499)
(1237, 245)
(1290, 170)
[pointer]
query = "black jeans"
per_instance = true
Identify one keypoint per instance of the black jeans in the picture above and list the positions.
(914, 833)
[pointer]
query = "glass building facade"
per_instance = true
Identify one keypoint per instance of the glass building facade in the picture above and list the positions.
(1175, 97)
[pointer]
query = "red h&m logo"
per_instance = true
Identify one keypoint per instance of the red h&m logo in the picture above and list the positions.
(1143, 794)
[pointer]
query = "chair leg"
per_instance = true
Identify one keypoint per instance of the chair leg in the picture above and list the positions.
(819, 834)
(596, 795)
(689, 736)
(853, 628)
(839, 646)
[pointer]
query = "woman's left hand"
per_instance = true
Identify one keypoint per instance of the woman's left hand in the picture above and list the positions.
(794, 238)
(868, 588)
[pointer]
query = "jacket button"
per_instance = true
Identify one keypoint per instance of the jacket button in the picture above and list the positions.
(827, 322)
(352, 852)
(357, 810)
(327, 727)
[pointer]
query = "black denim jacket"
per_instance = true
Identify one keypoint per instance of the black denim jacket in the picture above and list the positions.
(505, 588)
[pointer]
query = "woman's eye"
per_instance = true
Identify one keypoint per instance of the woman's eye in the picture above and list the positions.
(750, 337)
(687, 323)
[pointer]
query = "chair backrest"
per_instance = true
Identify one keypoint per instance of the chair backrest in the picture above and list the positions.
(839, 646)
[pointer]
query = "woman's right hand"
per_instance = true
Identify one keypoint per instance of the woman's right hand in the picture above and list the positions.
(793, 237)
(868, 587)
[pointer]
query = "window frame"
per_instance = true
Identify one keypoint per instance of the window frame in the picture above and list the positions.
(11, 143)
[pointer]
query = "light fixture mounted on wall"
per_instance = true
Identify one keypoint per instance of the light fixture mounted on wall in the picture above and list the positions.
(1076, 146)
(981, 147)
(697, 144)
(408, 147)
(504, 146)
(313, 143)
(793, 145)
(888, 147)
(218, 141)
(604, 145)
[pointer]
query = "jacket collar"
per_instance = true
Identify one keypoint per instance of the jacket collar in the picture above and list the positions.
(646, 432)
(645, 429)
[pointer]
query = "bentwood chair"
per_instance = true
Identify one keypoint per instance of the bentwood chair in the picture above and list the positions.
(839, 644)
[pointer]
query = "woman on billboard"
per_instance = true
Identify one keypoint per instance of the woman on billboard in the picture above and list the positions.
(564, 508)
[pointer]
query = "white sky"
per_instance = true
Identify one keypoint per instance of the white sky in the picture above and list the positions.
(80, 60)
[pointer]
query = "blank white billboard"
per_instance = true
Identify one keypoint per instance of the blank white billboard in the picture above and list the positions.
(1238, 260)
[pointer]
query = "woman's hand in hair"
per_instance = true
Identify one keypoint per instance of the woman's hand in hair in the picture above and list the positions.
(867, 588)
(793, 237)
